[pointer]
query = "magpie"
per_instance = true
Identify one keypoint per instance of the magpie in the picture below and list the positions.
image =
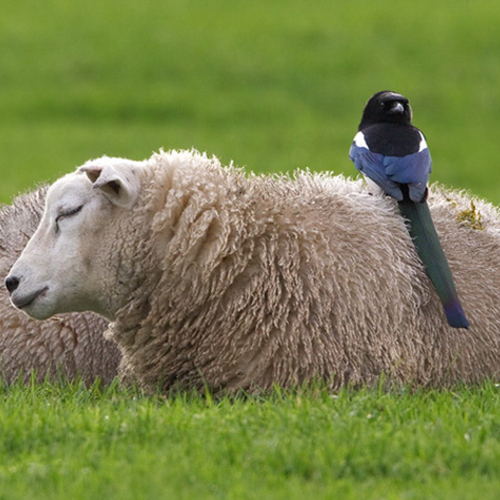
(393, 154)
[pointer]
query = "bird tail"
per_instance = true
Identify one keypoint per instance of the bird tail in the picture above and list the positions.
(426, 241)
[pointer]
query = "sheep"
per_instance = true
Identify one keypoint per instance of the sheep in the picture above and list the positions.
(68, 346)
(213, 279)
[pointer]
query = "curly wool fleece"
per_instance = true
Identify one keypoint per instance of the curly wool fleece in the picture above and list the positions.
(250, 281)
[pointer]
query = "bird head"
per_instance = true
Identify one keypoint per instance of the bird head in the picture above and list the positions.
(386, 107)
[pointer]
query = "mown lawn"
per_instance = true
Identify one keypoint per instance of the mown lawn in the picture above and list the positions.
(60, 441)
(275, 86)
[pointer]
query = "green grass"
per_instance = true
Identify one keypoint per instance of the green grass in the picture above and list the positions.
(275, 86)
(60, 441)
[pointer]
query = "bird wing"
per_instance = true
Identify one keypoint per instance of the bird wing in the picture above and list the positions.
(372, 166)
(413, 170)
(389, 172)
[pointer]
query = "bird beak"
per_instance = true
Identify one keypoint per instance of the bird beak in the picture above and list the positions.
(397, 108)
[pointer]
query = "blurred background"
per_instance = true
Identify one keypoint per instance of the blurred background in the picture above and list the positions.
(274, 85)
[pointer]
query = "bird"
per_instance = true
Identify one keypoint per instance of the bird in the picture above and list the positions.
(393, 155)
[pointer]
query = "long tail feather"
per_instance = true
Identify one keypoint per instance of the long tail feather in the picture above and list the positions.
(426, 240)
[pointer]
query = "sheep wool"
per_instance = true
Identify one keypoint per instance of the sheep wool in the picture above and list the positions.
(67, 346)
(247, 281)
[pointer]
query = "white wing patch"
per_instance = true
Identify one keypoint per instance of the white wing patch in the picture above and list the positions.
(423, 143)
(359, 140)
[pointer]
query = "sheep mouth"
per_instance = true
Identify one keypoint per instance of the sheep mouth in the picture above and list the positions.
(27, 300)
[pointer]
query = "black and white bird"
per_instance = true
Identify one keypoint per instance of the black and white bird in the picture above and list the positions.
(393, 154)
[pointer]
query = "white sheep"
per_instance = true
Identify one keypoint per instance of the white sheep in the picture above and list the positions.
(216, 279)
(68, 346)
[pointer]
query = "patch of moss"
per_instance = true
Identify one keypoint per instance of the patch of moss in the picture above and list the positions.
(471, 217)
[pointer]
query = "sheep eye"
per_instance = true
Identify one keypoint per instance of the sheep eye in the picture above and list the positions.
(70, 212)
(67, 213)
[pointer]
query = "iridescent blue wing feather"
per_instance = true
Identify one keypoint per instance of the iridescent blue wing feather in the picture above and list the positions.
(390, 171)
(413, 170)
(371, 165)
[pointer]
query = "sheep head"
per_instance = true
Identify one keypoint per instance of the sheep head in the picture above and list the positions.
(66, 262)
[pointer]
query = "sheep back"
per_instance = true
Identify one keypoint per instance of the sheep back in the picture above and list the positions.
(252, 281)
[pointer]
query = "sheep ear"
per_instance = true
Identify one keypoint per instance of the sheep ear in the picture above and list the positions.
(119, 185)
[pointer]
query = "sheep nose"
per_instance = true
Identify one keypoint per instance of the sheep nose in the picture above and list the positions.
(11, 283)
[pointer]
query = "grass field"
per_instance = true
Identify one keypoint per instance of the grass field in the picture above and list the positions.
(60, 442)
(275, 86)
